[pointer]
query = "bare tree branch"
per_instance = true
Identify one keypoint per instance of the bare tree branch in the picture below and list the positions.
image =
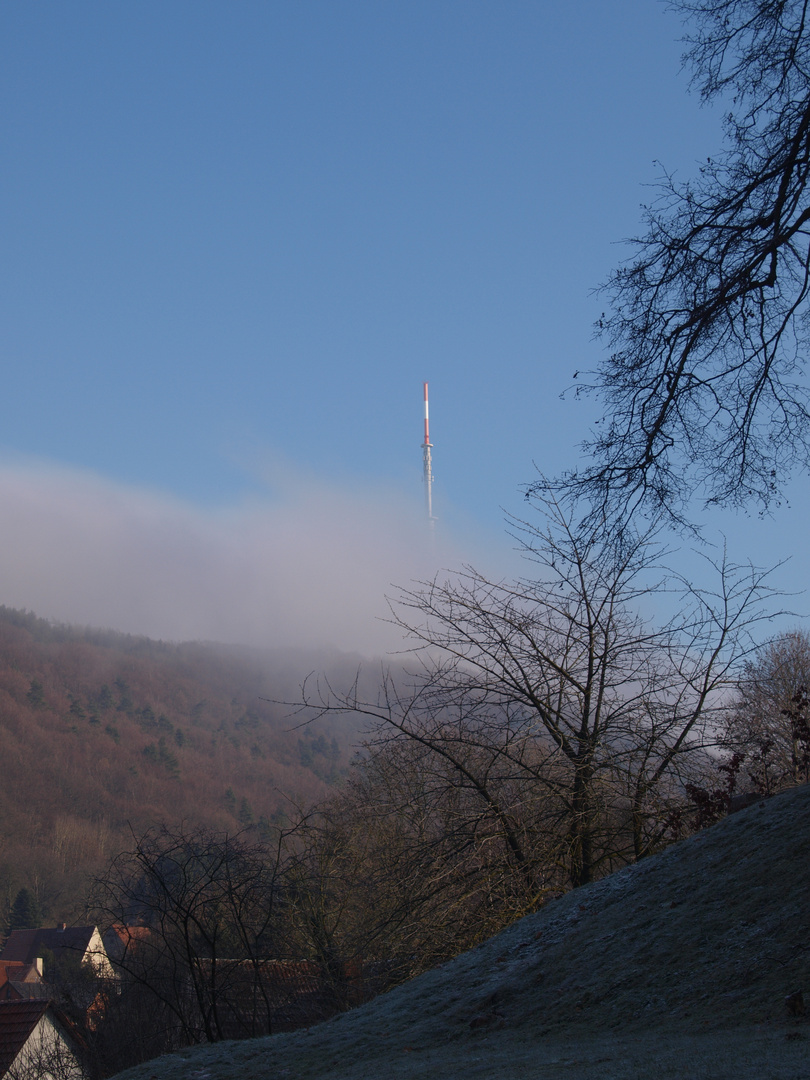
(704, 387)
(551, 713)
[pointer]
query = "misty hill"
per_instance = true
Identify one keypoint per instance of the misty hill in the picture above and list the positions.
(103, 732)
(675, 967)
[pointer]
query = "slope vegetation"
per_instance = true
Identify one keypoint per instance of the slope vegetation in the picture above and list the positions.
(102, 734)
(678, 966)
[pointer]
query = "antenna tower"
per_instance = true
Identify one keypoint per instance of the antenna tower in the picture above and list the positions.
(428, 464)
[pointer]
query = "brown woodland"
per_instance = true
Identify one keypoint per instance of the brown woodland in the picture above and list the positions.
(103, 734)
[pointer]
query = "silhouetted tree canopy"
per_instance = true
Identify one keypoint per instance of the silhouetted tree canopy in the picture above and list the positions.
(26, 914)
(704, 387)
(553, 723)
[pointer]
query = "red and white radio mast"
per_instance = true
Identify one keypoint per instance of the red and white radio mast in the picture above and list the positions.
(428, 465)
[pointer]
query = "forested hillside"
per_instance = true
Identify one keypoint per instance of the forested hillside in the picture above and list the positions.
(104, 733)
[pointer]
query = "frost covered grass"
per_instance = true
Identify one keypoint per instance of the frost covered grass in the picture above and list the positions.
(677, 967)
(735, 1055)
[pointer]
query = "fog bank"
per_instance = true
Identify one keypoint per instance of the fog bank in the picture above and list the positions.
(308, 568)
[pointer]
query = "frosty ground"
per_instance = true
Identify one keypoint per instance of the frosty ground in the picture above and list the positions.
(677, 967)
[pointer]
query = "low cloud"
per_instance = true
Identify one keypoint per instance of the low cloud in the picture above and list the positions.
(310, 567)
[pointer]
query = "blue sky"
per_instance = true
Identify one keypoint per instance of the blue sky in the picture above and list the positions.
(236, 238)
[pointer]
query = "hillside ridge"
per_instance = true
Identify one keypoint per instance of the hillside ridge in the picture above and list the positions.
(104, 734)
(692, 951)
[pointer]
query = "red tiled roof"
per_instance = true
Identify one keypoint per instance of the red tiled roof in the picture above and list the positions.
(17, 1020)
(129, 933)
(18, 980)
(18, 971)
(119, 939)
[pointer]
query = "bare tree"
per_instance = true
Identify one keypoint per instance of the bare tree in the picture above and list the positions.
(704, 388)
(401, 871)
(205, 911)
(550, 716)
(767, 727)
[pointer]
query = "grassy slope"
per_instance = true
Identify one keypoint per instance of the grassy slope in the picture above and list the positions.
(676, 967)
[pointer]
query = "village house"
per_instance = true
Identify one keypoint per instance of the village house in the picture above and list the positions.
(36, 1044)
(82, 943)
(20, 981)
(120, 941)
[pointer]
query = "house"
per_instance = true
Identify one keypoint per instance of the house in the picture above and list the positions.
(35, 1044)
(263, 997)
(82, 943)
(120, 940)
(22, 981)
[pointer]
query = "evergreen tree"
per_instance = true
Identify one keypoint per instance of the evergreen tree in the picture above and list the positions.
(36, 694)
(26, 914)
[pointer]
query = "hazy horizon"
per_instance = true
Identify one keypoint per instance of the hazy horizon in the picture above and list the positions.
(309, 566)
